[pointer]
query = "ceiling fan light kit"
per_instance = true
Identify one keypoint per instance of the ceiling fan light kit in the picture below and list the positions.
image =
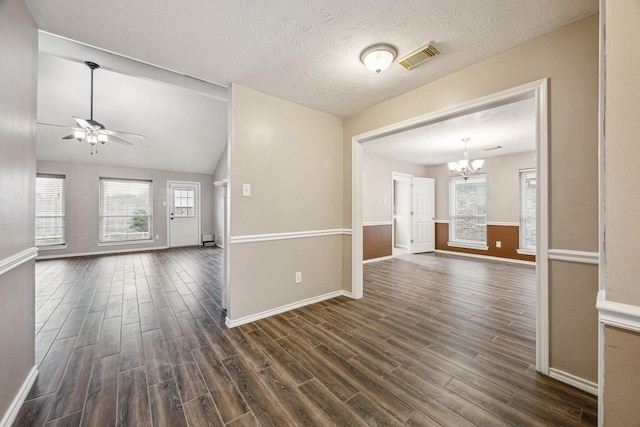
(92, 131)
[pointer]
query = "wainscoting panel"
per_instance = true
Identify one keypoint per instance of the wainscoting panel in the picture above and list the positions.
(376, 241)
(508, 235)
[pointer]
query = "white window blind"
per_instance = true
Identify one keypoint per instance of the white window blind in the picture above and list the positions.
(528, 209)
(468, 210)
(125, 210)
(50, 210)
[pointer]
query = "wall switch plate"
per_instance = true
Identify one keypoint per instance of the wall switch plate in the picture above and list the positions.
(498, 244)
(157, 236)
(298, 276)
(246, 190)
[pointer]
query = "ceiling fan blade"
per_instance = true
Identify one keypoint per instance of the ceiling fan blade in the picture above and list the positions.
(120, 133)
(119, 140)
(51, 124)
(83, 123)
(68, 137)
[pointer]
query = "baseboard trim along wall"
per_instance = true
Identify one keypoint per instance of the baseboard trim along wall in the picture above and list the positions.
(14, 408)
(577, 382)
(268, 313)
(373, 223)
(582, 257)
(487, 257)
(617, 314)
(368, 261)
(20, 258)
(114, 251)
(234, 240)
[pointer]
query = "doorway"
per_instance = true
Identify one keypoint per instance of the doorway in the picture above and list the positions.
(401, 213)
(538, 90)
(183, 213)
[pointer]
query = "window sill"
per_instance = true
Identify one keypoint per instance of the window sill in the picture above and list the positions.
(526, 251)
(126, 242)
(468, 246)
(52, 247)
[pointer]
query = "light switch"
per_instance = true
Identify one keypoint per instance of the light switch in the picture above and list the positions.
(246, 190)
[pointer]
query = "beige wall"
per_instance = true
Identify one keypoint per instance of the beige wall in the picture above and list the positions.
(82, 183)
(621, 365)
(18, 68)
(568, 58)
(292, 157)
(377, 200)
(503, 186)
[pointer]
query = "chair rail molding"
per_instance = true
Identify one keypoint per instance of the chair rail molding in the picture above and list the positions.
(14, 261)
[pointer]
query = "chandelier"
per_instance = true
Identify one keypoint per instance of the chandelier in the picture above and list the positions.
(465, 167)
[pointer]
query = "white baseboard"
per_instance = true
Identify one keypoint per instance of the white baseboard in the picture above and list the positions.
(368, 261)
(12, 412)
(111, 252)
(487, 257)
(577, 382)
(268, 313)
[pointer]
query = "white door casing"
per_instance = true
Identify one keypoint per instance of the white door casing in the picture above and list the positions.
(423, 218)
(183, 213)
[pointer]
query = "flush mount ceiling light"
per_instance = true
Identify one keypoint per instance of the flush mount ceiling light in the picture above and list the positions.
(465, 167)
(378, 57)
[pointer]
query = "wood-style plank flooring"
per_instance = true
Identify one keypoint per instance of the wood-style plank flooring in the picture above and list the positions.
(139, 339)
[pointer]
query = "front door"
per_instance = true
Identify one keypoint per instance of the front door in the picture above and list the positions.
(423, 215)
(184, 213)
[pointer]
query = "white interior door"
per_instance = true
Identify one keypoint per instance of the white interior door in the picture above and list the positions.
(184, 213)
(424, 228)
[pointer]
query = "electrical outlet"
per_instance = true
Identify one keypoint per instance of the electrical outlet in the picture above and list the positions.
(157, 237)
(498, 244)
(298, 276)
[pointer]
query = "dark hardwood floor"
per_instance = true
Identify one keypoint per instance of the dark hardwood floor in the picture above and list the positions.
(139, 340)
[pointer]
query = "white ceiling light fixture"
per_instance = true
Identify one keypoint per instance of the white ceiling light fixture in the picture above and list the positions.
(378, 57)
(465, 168)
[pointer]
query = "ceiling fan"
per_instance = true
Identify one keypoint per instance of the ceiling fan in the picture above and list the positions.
(93, 131)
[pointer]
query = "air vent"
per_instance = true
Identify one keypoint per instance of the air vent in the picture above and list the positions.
(418, 56)
(491, 147)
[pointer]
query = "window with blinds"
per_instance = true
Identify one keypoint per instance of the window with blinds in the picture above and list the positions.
(468, 210)
(528, 209)
(184, 202)
(50, 210)
(125, 210)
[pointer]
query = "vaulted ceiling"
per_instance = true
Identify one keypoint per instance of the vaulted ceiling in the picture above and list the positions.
(306, 51)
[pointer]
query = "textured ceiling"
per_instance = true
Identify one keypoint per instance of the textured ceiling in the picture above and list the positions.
(510, 125)
(306, 51)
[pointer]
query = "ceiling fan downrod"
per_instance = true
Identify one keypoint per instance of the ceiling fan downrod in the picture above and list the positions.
(93, 66)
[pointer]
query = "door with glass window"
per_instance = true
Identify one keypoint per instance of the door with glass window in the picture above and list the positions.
(184, 213)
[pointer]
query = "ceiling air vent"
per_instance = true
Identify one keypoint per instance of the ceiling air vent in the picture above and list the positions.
(418, 56)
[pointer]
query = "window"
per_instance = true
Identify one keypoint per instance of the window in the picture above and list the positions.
(468, 211)
(183, 202)
(125, 210)
(50, 210)
(528, 209)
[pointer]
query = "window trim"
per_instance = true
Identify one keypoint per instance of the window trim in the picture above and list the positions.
(63, 244)
(100, 216)
(522, 250)
(464, 243)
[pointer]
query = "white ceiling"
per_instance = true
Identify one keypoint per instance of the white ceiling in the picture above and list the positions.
(304, 51)
(510, 125)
